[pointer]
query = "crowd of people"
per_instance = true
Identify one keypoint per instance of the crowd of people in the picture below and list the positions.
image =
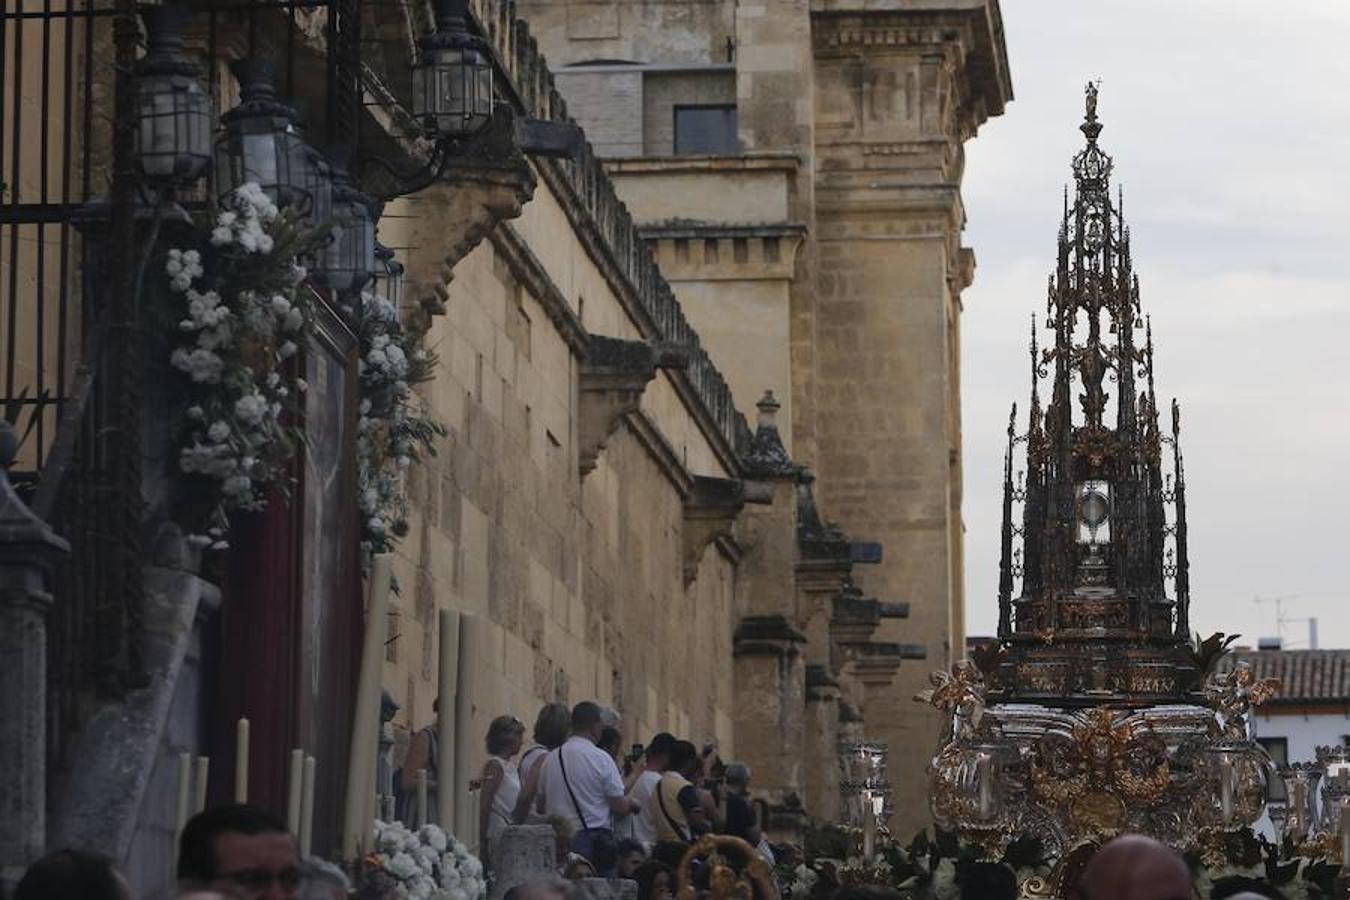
(629, 814)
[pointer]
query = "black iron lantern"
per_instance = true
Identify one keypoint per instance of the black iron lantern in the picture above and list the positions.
(388, 276)
(262, 144)
(173, 111)
(452, 78)
(348, 263)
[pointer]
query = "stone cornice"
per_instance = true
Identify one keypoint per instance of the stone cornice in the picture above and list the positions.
(751, 162)
(852, 25)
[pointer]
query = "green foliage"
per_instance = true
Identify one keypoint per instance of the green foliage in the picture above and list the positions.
(1205, 653)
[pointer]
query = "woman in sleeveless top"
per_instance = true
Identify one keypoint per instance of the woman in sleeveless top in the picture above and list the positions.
(500, 780)
(550, 731)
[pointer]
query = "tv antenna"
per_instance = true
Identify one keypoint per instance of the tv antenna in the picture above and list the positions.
(1281, 619)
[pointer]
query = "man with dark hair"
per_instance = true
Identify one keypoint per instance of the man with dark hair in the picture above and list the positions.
(679, 814)
(72, 873)
(241, 849)
(643, 791)
(581, 784)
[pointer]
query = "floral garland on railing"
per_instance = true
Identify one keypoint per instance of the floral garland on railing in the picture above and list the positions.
(396, 427)
(241, 317)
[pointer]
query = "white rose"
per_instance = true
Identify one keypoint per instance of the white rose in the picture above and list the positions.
(218, 432)
(402, 866)
(434, 837)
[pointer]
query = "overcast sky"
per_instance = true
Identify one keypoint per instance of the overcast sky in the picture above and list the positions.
(1229, 123)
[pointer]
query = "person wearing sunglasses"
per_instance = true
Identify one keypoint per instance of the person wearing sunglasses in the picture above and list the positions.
(241, 851)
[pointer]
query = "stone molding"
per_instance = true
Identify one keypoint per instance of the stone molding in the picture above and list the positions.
(767, 636)
(487, 183)
(715, 252)
(875, 663)
(972, 29)
(612, 376)
(710, 511)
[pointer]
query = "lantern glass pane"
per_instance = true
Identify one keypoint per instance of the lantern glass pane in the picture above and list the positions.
(259, 159)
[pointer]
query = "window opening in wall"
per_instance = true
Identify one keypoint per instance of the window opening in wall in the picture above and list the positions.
(771, 250)
(710, 254)
(581, 310)
(682, 250)
(478, 378)
(706, 130)
(740, 250)
(1278, 748)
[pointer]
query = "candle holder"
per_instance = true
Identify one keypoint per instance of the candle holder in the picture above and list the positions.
(1300, 781)
(1335, 764)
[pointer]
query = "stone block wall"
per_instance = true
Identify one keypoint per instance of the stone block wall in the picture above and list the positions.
(580, 584)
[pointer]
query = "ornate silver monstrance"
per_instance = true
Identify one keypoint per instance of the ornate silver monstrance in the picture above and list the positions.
(1094, 714)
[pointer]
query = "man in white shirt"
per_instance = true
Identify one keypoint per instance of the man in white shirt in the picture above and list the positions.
(583, 786)
(655, 759)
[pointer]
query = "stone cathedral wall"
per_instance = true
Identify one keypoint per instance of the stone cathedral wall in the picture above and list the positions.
(579, 584)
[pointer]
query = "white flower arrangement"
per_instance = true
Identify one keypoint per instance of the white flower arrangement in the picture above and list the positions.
(803, 882)
(395, 427)
(240, 317)
(426, 864)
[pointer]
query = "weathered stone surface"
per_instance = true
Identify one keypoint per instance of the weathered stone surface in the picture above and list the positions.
(610, 888)
(522, 853)
(116, 753)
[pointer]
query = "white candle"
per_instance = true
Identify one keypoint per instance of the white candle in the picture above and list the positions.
(1345, 835)
(1226, 788)
(307, 807)
(241, 762)
(1298, 819)
(294, 788)
(420, 811)
(869, 826)
(448, 690)
(468, 739)
(984, 773)
(203, 773)
(364, 737)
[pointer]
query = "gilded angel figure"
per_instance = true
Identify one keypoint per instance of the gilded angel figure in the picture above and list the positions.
(1234, 694)
(960, 695)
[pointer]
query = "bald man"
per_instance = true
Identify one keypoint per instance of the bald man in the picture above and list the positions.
(1134, 867)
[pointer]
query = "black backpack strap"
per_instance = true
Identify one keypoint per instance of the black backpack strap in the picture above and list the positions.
(567, 784)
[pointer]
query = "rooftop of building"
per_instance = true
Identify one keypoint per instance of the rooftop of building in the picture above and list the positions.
(1306, 676)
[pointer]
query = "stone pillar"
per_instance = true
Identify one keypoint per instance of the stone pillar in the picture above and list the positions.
(771, 717)
(522, 853)
(28, 548)
(821, 788)
(898, 91)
